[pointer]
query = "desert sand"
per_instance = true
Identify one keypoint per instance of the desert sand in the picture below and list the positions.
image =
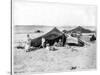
(63, 59)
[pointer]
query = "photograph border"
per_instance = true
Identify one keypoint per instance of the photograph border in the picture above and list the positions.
(45, 2)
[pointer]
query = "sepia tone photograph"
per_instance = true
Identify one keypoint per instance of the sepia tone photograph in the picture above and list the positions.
(53, 37)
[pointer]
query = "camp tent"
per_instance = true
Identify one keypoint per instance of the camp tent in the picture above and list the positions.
(51, 37)
(80, 29)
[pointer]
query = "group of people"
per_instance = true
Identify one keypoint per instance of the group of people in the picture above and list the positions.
(47, 45)
(43, 43)
(74, 40)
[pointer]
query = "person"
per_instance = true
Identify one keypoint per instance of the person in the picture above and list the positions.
(43, 42)
(63, 39)
(52, 48)
(28, 38)
(47, 47)
(93, 38)
(27, 45)
(60, 43)
(55, 44)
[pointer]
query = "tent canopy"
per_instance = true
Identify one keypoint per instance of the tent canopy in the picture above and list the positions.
(51, 37)
(80, 29)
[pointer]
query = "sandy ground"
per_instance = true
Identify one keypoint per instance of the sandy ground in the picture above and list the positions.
(42, 60)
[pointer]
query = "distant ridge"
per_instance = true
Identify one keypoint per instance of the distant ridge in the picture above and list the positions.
(32, 26)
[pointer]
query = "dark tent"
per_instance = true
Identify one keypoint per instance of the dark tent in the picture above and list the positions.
(80, 29)
(51, 37)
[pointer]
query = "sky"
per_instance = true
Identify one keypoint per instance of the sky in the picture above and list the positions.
(28, 12)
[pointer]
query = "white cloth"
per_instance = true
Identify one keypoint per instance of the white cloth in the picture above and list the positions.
(47, 47)
(71, 39)
(43, 39)
(27, 46)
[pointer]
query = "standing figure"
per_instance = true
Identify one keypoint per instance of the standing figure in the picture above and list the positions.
(27, 46)
(43, 42)
(28, 38)
(63, 39)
